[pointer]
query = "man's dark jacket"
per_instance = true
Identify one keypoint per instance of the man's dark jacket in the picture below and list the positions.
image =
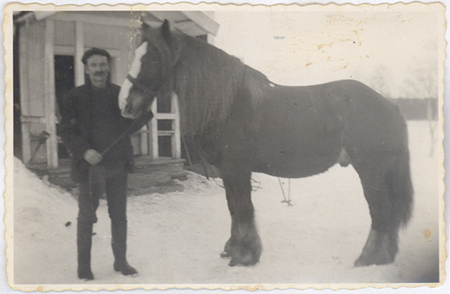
(76, 128)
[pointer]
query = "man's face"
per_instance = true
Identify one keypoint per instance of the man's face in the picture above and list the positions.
(97, 67)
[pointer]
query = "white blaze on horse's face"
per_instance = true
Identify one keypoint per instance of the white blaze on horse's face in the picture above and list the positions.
(133, 72)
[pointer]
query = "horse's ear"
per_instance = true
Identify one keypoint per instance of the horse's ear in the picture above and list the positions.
(166, 30)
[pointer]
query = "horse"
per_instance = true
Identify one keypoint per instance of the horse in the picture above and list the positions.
(244, 123)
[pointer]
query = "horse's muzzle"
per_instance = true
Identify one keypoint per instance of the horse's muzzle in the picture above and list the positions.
(127, 112)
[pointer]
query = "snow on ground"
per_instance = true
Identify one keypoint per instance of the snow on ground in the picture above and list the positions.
(176, 238)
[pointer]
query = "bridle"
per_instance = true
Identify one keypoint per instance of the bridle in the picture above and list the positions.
(152, 93)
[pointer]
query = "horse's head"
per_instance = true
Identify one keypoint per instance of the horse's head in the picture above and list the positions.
(150, 72)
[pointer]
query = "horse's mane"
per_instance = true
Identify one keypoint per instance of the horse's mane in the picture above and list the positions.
(208, 81)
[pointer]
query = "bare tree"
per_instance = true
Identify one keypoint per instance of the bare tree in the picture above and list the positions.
(379, 81)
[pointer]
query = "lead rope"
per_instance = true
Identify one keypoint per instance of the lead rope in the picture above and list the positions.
(288, 199)
(126, 132)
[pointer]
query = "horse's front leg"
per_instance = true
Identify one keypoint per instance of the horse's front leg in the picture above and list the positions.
(244, 246)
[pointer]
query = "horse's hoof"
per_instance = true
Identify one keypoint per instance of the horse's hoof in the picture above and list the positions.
(373, 261)
(380, 249)
(243, 251)
(245, 262)
(361, 262)
(246, 258)
(380, 257)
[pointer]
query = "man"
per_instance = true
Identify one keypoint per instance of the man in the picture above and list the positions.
(91, 123)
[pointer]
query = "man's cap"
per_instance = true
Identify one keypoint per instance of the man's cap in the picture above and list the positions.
(95, 51)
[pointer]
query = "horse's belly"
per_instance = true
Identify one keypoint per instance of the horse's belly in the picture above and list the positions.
(297, 137)
(296, 159)
(296, 168)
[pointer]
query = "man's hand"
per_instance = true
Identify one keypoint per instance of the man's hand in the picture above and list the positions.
(92, 156)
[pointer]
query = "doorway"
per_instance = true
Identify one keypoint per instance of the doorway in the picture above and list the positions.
(64, 82)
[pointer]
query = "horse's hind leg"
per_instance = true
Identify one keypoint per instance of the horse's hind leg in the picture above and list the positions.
(381, 246)
(388, 191)
(244, 246)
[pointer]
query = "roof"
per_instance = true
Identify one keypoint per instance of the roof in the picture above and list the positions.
(193, 23)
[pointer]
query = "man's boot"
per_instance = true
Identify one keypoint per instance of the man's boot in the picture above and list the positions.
(84, 244)
(119, 247)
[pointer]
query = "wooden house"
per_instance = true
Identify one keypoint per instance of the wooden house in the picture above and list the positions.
(48, 46)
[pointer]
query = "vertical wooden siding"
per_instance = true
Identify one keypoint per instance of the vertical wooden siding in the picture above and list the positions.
(32, 68)
(32, 88)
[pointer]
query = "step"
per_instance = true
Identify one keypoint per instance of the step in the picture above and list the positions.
(142, 180)
(172, 168)
(146, 160)
(161, 189)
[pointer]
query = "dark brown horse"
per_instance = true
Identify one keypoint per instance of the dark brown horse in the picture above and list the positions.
(244, 123)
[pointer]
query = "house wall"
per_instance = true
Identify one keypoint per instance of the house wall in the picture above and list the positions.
(32, 80)
(32, 67)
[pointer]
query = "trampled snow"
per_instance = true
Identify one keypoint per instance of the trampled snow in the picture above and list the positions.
(176, 238)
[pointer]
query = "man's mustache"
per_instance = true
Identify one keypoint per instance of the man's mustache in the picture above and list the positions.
(99, 73)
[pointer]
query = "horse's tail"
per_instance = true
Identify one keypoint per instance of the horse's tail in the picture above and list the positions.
(401, 189)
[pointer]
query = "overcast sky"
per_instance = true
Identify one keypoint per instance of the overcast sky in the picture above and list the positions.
(393, 49)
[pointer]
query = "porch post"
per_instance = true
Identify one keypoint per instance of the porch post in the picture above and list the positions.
(79, 51)
(153, 132)
(176, 137)
(50, 99)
